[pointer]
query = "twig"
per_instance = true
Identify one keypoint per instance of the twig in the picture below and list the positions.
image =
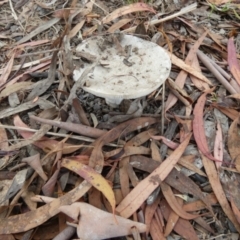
(15, 15)
(81, 138)
(36, 53)
(206, 61)
(231, 80)
(28, 64)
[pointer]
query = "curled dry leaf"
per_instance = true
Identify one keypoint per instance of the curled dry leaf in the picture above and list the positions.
(95, 224)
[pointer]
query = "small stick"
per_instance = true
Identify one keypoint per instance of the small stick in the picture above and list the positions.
(215, 72)
(73, 127)
(57, 134)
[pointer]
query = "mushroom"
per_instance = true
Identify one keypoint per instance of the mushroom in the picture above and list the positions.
(122, 67)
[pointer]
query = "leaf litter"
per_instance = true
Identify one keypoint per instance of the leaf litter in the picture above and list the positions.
(163, 166)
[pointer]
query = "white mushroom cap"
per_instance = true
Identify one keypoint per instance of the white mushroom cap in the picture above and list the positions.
(120, 75)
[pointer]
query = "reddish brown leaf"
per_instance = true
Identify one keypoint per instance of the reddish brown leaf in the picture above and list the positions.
(149, 213)
(172, 201)
(218, 145)
(198, 127)
(155, 231)
(233, 61)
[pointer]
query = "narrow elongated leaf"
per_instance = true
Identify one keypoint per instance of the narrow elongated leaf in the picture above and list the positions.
(93, 177)
(135, 7)
(198, 127)
(182, 227)
(172, 201)
(141, 192)
(29, 220)
(233, 61)
(218, 190)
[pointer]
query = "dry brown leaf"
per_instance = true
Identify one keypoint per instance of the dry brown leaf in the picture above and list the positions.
(42, 27)
(199, 205)
(180, 80)
(91, 176)
(14, 88)
(116, 26)
(149, 213)
(218, 145)
(182, 227)
(233, 61)
(230, 112)
(199, 84)
(188, 162)
(49, 187)
(218, 190)
(7, 70)
(35, 163)
(4, 147)
(198, 127)
(233, 140)
(173, 203)
(39, 67)
(135, 7)
(191, 70)
(89, 218)
(46, 144)
(235, 210)
(76, 29)
(155, 231)
(35, 218)
(141, 192)
(184, 184)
